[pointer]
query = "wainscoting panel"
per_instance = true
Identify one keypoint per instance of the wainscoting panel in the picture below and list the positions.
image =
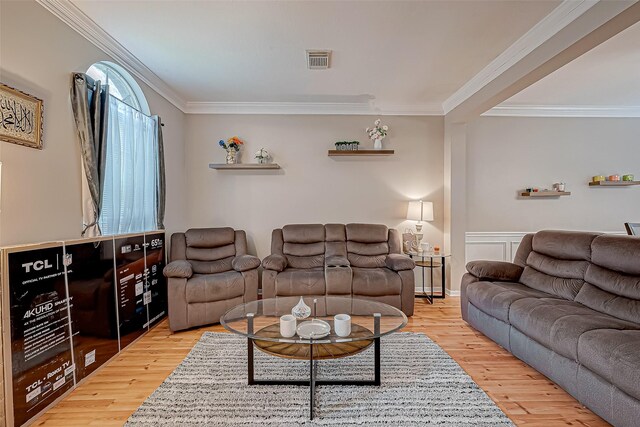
(494, 246)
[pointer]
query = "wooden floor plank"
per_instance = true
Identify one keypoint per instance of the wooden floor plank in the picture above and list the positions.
(527, 397)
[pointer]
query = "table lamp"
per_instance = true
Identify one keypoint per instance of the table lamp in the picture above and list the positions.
(420, 211)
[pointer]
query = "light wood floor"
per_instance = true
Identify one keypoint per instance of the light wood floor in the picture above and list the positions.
(527, 397)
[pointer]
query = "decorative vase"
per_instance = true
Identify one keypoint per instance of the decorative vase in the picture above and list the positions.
(232, 157)
(262, 160)
(301, 310)
(377, 144)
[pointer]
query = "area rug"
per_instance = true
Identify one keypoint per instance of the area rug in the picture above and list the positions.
(421, 386)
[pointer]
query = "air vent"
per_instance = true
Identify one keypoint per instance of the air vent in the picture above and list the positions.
(318, 59)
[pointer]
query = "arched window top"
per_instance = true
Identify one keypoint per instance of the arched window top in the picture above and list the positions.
(121, 84)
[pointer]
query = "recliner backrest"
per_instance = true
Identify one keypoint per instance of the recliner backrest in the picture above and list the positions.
(557, 262)
(209, 250)
(369, 244)
(302, 244)
(613, 277)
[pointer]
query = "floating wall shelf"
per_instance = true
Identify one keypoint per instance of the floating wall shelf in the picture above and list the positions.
(613, 183)
(338, 153)
(544, 193)
(244, 166)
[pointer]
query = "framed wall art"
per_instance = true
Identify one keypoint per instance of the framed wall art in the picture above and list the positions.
(20, 117)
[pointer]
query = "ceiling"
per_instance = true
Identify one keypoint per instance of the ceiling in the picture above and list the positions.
(606, 76)
(407, 54)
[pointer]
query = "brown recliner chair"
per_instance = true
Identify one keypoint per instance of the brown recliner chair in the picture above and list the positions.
(209, 273)
(380, 271)
(360, 260)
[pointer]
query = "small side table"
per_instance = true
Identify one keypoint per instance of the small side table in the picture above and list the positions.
(431, 261)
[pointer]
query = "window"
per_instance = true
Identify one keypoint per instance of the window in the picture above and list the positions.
(121, 84)
(130, 164)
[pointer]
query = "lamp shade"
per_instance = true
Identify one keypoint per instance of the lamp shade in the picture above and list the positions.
(420, 211)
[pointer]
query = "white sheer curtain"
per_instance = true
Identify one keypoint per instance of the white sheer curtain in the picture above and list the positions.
(129, 194)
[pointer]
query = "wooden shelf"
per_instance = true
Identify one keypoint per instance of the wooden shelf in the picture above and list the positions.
(244, 166)
(613, 183)
(339, 153)
(544, 193)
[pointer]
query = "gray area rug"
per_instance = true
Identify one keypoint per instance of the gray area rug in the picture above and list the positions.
(421, 385)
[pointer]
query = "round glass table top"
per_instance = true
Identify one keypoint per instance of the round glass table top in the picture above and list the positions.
(259, 319)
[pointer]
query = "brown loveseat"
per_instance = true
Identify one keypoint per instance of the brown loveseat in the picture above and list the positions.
(209, 273)
(569, 305)
(359, 260)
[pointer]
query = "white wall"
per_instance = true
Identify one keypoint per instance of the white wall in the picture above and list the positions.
(507, 154)
(41, 190)
(312, 187)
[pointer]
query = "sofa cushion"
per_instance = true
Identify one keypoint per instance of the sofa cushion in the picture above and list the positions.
(300, 282)
(562, 287)
(367, 261)
(558, 324)
(303, 249)
(211, 254)
(611, 304)
(367, 233)
(212, 267)
(495, 298)
(214, 287)
(209, 237)
(570, 245)
(303, 233)
(379, 248)
(376, 282)
(614, 356)
(314, 261)
(618, 253)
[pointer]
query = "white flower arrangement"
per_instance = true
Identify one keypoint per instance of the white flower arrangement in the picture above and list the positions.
(262, 155)
(377, 131)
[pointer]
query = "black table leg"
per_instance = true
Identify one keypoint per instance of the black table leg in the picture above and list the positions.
(376, 348)
(444, 276)
(312, 382)
(250, 379)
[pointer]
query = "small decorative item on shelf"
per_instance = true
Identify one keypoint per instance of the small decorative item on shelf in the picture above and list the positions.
(301, 310)
(377, 133)
(559, 186)
(262, 156)
(614, 178)
(598, 178)
(627, 177)
(347, 145)
(232, 147)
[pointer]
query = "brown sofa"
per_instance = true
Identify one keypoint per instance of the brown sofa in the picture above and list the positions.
(359, 260)
(569, 306)
(209, 273)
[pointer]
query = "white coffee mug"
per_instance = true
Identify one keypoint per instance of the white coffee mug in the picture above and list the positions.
(287, 326)
(342, 325)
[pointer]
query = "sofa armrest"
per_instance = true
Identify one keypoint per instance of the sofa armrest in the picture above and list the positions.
(245, 263)
(274, 262)
(178, 269)
(495, 270)
(399, 262)
(336, 261)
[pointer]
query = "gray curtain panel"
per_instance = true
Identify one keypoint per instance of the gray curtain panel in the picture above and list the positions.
(161, 187)
(90, 110)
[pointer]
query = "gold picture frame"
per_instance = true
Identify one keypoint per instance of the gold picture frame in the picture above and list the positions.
(21, 117)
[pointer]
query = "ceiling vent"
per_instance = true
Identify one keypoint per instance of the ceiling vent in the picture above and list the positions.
(318, 59)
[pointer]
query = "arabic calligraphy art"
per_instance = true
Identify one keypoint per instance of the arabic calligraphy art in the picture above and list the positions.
(20, 117)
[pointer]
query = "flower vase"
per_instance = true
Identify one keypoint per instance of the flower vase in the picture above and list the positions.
(232, 157)
(377, 144)
(262, 160)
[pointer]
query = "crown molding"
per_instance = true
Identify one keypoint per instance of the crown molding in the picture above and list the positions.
(506, 110)
(71, 15)
(559, 18)
(312, 108)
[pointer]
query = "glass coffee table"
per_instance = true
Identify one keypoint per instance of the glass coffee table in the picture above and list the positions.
(259, 322)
